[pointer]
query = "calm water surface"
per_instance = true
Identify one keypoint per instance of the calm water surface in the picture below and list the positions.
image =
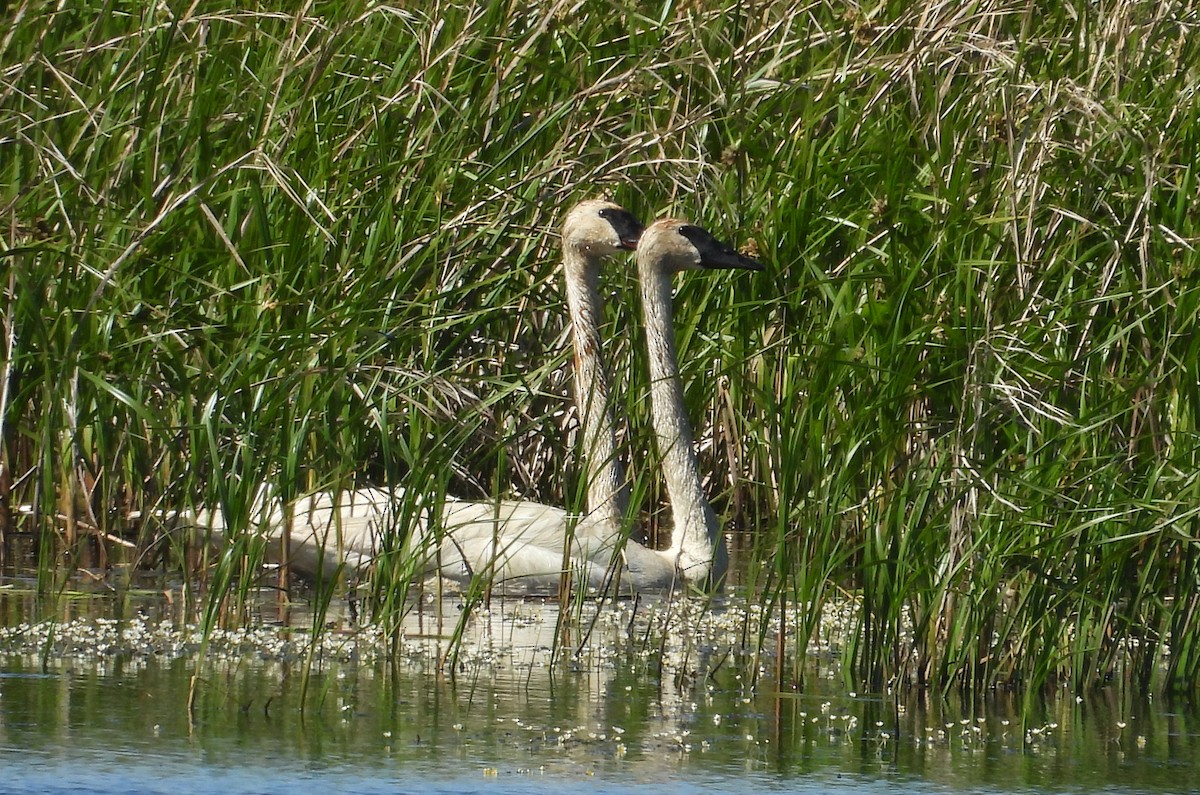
(511, 720)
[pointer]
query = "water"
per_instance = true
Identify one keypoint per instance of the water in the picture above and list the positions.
(681, 717)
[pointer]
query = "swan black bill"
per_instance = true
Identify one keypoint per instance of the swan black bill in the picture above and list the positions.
(731, 260)
(715, 254)
(628, 228)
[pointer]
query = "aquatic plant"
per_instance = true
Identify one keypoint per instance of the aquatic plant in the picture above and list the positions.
(313, 249)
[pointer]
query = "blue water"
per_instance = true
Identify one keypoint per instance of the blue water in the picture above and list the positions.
(98, 729)
(169, 776)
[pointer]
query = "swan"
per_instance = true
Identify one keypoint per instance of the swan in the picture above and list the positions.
(530, 547)
(697, 553)
(332, 529)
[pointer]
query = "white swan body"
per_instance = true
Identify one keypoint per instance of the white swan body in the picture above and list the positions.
(517, 544)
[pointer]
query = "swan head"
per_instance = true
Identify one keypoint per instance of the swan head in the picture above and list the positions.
(598, 228)
(676, 245)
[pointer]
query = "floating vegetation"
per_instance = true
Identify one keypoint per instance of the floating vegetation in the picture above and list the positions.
(686, 639)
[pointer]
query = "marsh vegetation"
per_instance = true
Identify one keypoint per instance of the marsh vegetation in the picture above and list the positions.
(314, 249)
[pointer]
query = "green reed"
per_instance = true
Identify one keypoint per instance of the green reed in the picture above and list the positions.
(315, 249)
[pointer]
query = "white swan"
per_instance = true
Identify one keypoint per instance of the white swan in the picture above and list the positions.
(532, 548)
(697, 553)
(332, 529)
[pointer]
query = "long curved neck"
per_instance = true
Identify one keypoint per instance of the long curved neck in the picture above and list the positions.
(607, 491)
(696, 542)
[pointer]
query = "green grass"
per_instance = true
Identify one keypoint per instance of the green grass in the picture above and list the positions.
(316, 249)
